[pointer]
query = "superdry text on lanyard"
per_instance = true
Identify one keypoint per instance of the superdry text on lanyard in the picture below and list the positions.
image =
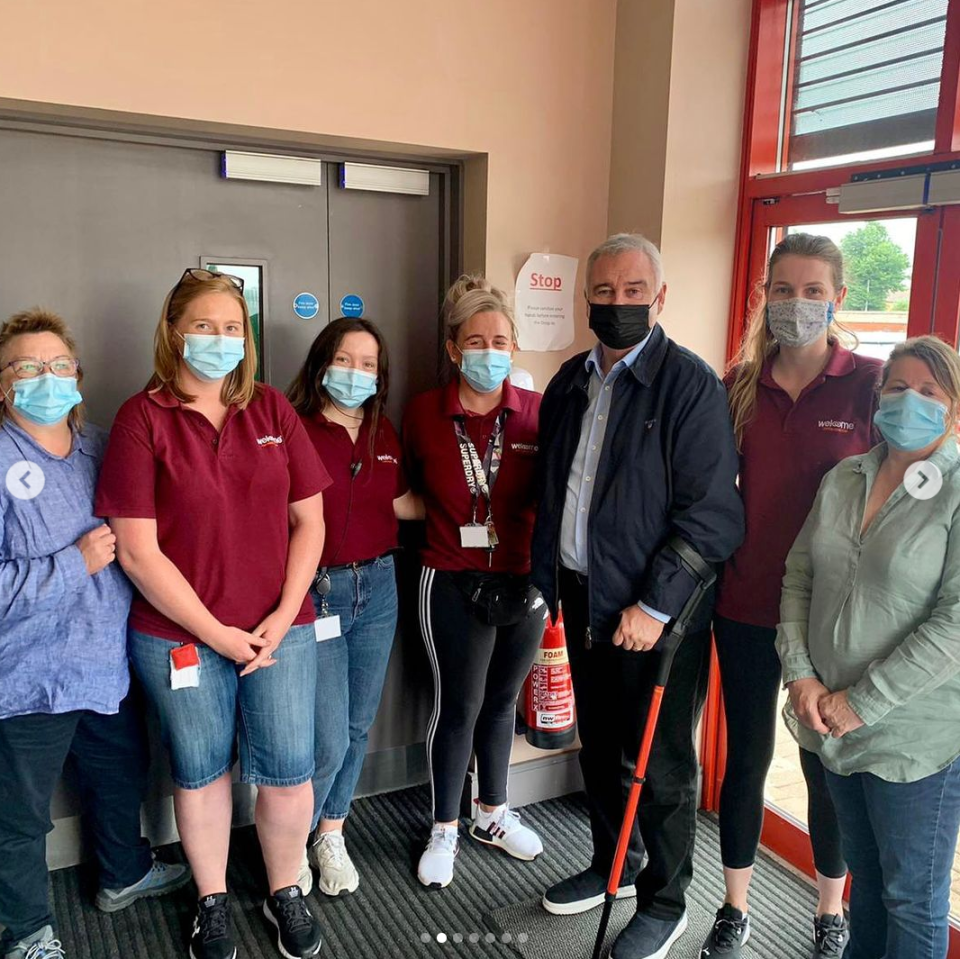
(481, 476)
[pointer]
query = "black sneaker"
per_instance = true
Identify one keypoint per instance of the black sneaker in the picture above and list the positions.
(586, 890)
(730, 932)
(211, 929)
(298, 933)
(830, 936)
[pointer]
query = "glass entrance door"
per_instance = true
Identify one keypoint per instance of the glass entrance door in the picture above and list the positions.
(902, 271)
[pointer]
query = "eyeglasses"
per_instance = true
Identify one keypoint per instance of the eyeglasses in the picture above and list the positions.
(29, 367)
(204, 276)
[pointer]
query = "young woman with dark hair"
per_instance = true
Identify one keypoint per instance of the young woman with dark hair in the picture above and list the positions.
(340, 394)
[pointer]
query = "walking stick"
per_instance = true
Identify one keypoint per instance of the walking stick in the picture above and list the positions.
(667, 647)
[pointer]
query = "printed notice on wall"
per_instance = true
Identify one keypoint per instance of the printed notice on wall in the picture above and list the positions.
(544, 301)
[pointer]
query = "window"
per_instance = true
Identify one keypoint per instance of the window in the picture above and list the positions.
(866, 77)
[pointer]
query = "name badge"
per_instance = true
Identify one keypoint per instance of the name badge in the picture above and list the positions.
(474, 536)
(184, 667)
(326, 627)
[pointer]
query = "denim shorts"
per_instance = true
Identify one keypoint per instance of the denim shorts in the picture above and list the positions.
(272, 709)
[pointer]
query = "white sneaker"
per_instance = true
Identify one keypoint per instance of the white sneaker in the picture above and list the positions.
(337, 871)
(38, 945)
(502, 828)
(436, 863)
(305, 879)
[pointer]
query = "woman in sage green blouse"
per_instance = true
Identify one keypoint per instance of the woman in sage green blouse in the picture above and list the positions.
(870, 643)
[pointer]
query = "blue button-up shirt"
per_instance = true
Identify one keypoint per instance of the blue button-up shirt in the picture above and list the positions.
(583, 470)
(63, 632)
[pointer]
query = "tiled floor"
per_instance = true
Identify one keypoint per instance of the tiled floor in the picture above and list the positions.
(786, 789)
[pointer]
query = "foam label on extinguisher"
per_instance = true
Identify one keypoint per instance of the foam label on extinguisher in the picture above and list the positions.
(552, 689)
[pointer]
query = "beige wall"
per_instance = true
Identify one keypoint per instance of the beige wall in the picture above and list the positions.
(526, 82)
(575, 116)
(680, 78)
(641, 103)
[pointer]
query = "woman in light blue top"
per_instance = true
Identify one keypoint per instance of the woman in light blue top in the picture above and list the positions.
(64, 678)
(870, 643)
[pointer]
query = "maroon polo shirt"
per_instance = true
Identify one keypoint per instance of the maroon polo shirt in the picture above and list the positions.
(434, 468)
(358, 507)
(220, 500)
(787, 449)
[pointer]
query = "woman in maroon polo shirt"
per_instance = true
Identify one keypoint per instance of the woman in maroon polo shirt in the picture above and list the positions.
(340, 394)
(801, 402)
(214, 492)
(470, 449)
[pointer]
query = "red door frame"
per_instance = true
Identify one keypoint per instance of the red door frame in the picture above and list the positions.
(770, 198)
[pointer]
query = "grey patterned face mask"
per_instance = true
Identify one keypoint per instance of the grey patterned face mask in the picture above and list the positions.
(798, 322)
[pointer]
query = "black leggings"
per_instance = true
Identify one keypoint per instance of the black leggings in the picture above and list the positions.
(477, 674)
(750, 674)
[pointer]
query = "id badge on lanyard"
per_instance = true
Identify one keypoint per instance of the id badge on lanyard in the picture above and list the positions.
(480, 477)
(325, 626)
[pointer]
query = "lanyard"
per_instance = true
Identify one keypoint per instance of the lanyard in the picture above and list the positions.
(481, 476)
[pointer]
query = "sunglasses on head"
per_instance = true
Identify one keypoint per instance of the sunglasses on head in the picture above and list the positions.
(204, 276)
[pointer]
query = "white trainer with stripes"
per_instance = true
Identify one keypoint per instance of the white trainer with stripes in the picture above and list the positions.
(501, 827)
(436, 863)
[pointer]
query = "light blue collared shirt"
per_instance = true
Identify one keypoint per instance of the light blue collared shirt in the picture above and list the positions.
(583, 470)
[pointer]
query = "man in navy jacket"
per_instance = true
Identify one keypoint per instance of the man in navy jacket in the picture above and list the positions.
(636, 447)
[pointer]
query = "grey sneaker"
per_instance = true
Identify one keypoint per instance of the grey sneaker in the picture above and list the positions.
(728, 936)
(338, 875)
(39, 945)
(305, 879)
(831, 934)
(161, 879)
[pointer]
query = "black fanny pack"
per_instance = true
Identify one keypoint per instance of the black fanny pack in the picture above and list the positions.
(498, 599)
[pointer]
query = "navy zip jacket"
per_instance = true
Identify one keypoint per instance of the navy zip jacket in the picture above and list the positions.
(668, 467)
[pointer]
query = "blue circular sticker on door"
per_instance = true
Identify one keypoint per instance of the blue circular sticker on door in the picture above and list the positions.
(306, 306)
(351, 305)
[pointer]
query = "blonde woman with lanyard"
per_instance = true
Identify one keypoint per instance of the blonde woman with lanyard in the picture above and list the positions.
(470, 451)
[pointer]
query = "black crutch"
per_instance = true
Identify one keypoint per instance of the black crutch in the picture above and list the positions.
(704, 574)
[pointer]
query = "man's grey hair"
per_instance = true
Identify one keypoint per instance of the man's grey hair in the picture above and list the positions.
(628, 243)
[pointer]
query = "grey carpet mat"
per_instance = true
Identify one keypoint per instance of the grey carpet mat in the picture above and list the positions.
(488, 909)
(782, 905)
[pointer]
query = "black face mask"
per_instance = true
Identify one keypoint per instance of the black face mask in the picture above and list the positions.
(620, 327)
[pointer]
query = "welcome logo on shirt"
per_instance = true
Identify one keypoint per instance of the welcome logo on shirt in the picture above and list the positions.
(387, 458)
(837, 426)
(269, 440)
(524, 447)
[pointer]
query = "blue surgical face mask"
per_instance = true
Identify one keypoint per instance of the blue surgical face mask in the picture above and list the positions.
(212, 357)
(485, 370)
(348, 387)
(910, 421)
(46, 399)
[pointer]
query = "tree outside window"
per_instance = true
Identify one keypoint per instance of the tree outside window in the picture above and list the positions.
(874, 265)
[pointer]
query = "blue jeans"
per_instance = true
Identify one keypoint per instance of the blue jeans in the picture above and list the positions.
(270, 709)
(899, 840)
(350, 672)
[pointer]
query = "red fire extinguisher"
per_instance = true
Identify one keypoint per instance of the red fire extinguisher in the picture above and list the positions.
(548, 693)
